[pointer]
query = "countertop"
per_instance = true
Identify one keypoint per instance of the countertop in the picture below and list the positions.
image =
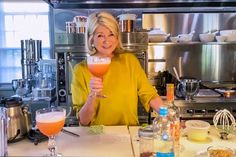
(115, 141)
(191, 148)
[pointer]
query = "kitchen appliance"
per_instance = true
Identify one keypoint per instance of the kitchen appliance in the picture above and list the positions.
(19, 119)
(45, 80)
(31, 53)
(3, 132)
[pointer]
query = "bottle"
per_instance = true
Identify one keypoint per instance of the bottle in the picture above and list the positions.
(174, 115)
(163, 137)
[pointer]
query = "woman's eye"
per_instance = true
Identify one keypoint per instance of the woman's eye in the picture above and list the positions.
(111, 35)
(100, 35)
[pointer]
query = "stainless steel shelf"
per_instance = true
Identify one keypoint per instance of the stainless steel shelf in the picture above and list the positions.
(191, 43)
(63, 4)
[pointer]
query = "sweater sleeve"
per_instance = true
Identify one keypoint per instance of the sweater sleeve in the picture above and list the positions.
(145, 90)
(79, 87)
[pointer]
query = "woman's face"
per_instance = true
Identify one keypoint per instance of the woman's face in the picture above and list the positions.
(104, 41)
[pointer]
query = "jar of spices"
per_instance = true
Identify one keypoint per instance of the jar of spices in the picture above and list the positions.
(146, 141)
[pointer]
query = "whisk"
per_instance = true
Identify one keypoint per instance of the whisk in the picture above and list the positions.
(224, 122)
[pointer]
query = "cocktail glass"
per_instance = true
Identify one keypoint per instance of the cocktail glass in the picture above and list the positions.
(50, 121)
(98, 66)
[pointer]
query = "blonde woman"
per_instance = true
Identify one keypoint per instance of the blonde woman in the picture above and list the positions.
(124, 82)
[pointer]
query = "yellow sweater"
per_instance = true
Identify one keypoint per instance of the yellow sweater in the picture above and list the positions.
(124, 82)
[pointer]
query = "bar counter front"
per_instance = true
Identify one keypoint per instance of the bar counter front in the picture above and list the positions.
(114, 141)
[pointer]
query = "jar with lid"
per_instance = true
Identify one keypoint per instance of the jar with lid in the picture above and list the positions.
(146, 141)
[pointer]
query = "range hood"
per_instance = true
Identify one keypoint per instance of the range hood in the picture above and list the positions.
(97, 4)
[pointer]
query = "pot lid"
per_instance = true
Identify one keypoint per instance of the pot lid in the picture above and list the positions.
(12, 102)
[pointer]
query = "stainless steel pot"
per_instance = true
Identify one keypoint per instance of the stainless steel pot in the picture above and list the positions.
(19, 122)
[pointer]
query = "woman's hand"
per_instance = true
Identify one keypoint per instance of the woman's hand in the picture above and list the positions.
(96, 84)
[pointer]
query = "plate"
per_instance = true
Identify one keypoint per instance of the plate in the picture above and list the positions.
(203, 153)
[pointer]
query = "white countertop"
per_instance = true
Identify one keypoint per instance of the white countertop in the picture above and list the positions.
(114, 142)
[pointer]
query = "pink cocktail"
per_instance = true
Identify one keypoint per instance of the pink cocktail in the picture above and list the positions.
(98, 70)
(50, 121)
(98, 66)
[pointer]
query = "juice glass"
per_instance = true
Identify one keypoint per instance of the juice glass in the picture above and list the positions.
(98, 66)
(50, 121)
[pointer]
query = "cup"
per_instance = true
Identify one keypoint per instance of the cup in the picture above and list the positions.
(3, 131)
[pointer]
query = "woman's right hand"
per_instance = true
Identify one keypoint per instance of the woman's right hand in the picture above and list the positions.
(96, 84)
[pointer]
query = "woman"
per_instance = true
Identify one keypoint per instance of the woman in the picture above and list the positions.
(123, 83)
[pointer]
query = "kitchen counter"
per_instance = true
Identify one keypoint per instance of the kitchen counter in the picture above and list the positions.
(190, 148)
(115, 141)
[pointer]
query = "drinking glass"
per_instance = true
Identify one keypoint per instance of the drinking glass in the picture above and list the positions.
(98, 66)
(50, 121)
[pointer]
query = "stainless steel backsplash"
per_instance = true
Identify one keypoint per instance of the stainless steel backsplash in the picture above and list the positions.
(213, 62)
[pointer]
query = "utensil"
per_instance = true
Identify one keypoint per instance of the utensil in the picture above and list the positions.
(70, 133)
(176, 74)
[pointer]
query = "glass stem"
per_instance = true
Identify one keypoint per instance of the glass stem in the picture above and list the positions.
(52, 145)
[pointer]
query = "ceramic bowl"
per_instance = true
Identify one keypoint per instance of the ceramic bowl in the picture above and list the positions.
(207, 37)
(230, 34)
(221, 38)
(157, 35)
(197, 130)
(174, 39)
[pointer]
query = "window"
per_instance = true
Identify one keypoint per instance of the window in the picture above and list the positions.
(21, 21)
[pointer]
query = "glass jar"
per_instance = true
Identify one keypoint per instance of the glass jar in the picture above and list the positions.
(146, 141)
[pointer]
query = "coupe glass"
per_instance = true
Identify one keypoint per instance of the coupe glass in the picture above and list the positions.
(50, 121)
(98, 66)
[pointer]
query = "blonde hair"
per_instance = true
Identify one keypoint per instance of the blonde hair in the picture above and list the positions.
(105, 19)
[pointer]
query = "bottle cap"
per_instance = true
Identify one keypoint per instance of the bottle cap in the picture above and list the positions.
(163, 111)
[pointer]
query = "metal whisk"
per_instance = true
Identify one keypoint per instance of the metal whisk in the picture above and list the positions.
(224, 122)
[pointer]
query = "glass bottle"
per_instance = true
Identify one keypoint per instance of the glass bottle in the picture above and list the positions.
(174, 115)
(163, 137)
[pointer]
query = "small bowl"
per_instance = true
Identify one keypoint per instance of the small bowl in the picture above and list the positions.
(221, 38)
(207, 37)
(197, 130)
(220, 151)
(174, 39)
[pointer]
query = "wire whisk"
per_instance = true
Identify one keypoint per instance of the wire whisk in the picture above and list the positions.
(224, 122)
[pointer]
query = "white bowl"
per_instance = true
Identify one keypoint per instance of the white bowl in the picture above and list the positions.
(197, 130)
(221, 38)
(207, 37)
(230, 34)
(158, 37)
(174, 39)
(185, 37)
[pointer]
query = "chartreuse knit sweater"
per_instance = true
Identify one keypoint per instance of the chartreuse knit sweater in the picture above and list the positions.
(123, 84)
